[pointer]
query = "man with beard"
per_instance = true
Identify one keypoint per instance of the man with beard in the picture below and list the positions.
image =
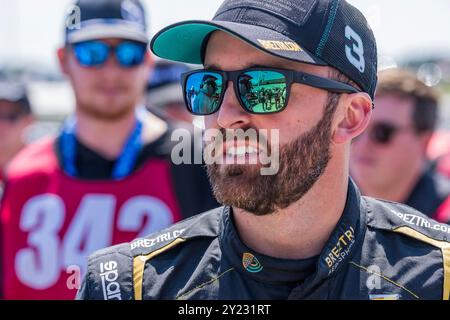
(304, 232)
(108, 176)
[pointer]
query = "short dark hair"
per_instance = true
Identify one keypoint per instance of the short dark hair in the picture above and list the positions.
(406, 85)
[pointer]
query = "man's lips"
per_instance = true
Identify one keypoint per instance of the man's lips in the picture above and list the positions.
(111, 90)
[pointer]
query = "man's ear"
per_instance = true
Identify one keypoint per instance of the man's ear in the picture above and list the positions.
(62, 55)
(150, 60)
(354, 117)
(150, 63)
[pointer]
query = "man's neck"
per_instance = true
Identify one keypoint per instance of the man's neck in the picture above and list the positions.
(400, 189)
(301, 230)
(106, 137)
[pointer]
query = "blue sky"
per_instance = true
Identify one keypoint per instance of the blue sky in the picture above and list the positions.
(31, 30)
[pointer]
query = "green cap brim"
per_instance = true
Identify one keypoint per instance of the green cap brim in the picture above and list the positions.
(188, 40)
(185, 41)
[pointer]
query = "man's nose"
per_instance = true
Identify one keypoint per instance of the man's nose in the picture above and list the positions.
(231, 114)
(112, 66)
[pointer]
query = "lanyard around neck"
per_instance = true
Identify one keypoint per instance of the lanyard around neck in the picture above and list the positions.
(124, 164)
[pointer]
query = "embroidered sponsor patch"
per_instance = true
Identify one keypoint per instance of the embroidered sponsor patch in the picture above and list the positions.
(109, 275)
(280, 45)
(422, 222)
(384, 296)
(164, 237)
(251, 263)
(341, 250)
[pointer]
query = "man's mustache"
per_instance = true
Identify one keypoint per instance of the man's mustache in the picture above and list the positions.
(225, 136)
(214, 141)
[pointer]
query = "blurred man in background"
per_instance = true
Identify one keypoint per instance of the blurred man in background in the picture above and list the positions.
(439, 151)
(15, 117)
(164, 96)
(389, 160)
(108, 177)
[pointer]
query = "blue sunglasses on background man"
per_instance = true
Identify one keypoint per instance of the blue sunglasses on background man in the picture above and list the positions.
(95, 53)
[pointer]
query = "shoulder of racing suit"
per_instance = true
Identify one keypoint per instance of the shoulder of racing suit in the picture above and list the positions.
(400, 218)
(116, 273)
(409, 246)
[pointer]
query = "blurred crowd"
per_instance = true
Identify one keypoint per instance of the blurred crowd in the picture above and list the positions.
(107, 172)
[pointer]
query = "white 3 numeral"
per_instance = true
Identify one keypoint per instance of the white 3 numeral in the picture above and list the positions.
(42, 217)
(355, 54)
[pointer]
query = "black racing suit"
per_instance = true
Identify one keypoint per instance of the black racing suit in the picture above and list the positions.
(378, 250)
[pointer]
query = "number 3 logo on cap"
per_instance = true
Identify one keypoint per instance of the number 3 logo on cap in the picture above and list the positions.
(355, 54)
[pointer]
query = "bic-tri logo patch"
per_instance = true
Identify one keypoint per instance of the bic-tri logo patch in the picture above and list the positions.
(384, 296)
(250, 263)
(280, 45)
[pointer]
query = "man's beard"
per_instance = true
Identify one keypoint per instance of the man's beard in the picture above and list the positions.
(302, 162)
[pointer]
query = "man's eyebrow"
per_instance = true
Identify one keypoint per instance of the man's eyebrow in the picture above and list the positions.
(211, 66)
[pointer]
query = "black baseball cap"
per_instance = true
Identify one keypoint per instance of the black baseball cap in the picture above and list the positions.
(99, 19)
(321, 32)
(15, 93)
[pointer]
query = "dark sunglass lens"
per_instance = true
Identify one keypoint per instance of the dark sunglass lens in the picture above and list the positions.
(130, 54)
(262, 91)
(383, 133)
(203, 91)
(91, 53)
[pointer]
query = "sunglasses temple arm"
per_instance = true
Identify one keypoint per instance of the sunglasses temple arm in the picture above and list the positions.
(323, 83)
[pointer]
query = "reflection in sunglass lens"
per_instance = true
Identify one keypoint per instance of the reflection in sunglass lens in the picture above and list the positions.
(203, 92)
(130, 54)
(262, 91)
(91, 53)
